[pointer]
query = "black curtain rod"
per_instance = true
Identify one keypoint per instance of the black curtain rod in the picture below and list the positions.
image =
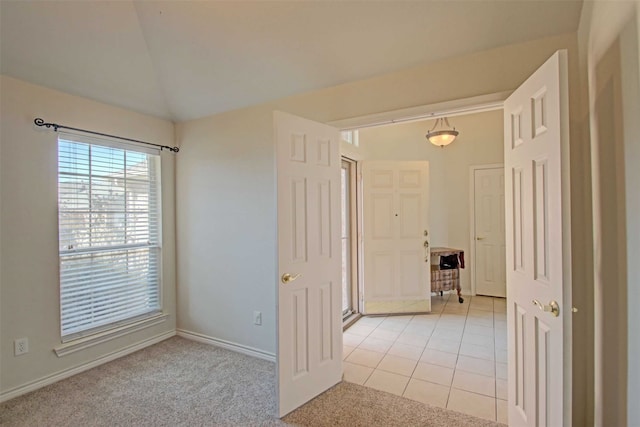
(55, 126)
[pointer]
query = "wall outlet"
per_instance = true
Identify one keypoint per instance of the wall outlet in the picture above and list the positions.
(257, 318)
(21, 346)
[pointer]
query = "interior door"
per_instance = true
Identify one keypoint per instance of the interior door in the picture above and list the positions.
(397, 277)
(490, 273)
(536, 119)
(309, 358)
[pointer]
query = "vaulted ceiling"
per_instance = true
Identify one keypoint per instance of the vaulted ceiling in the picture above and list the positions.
(187, 59)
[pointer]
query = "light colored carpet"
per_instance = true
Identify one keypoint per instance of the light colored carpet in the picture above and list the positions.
(184, 383)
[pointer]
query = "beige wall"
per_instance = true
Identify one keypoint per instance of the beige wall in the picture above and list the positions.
(480, 142)
(609, 49)
(29, 287)
(225, 178)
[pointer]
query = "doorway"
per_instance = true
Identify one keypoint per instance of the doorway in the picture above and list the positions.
(455, 356)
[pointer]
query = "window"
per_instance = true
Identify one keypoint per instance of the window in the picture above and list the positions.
(350, 137)
(349, 243)
(109, 234)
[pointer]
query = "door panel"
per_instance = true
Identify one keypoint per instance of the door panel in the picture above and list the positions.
(490, 274)
(395, 218)
(309, 358)
(538, 250)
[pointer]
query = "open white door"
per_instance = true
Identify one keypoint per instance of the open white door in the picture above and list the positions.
(397, 272)
(309, 359)
(536, 119)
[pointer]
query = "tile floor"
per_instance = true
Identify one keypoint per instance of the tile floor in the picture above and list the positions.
(454, 357)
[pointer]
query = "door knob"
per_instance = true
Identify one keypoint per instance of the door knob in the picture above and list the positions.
(286, 277)
(552, 308)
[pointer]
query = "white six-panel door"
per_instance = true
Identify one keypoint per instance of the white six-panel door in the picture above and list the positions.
(538, 250)
(489, 253)
(397, 277)
(309, 358)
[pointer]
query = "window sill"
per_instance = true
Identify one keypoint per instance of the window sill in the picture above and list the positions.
(90, 341)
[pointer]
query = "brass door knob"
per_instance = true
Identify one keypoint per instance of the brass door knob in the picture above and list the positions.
(552, 307)
(287, 278)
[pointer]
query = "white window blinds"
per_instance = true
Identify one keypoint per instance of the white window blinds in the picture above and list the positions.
(109, 232)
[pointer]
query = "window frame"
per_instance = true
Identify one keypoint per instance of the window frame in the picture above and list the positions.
(134, 321)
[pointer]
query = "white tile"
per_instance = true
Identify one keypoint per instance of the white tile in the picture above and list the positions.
(351, 340)
(362, 330)
(450, 325)
(365, 357)
(426, 392)
(452, 318)
(425, 319)
(387, 381)
(501, 371)
(433, 373)
(500, 316)
(500, 334)
(500, 305)
(482, 299)
(479, 351)
(451, 334)
(443, 345)
(478, 329)
(472, 404)
(346, 350)
(476, 366)
(500, 325)
(481, 305)
(501, 356)
(392, 326)
(440, 358)
(479, 313)
(406, 318)
(409, 338)
(375, 344)
(357, 374)
(447, 327)
(461, 311)
(397, 320)
(397, 365)
(405, 350)
(501, 343)
(370, 321)
(385, 334)
(480, 321)
(454, 304)
(476, 339)
(475, 383)
(417, 329)
(503, 411)
(501, 389)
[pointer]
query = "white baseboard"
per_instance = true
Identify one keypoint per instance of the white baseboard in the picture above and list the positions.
(239, 348)
(50, 379)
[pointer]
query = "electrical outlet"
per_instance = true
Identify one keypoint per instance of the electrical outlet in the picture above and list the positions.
(20, 346)
(257, 318)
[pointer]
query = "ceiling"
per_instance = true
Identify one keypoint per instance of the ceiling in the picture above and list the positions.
(181, 60)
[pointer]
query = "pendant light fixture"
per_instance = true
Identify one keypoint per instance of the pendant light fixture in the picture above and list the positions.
(442, 137)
